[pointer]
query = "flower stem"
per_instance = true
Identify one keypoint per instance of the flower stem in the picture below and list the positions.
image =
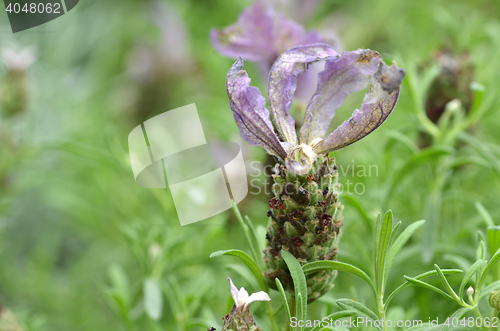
(271, 316)
(291, 304)
(381, 311)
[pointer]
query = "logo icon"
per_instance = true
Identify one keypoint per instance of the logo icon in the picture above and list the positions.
(171, 149)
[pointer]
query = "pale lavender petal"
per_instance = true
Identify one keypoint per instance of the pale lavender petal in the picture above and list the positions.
(252, 37)
(249, 111)
(242, 297)
(349, 73)
(283, 82)
(234, 292)
(377, 105)
(258, 296)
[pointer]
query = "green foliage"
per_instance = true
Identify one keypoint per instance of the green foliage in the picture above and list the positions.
(83, 247)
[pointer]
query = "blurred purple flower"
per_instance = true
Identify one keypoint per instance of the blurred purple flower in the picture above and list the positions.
(343, 74)
(261, 34)
(299, 10)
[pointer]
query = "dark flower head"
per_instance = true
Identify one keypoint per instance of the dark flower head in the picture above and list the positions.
(343, 74)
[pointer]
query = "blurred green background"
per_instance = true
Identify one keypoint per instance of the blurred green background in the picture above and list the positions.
(79, 239)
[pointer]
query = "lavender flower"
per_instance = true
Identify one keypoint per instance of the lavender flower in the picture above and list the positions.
(240, 318)
(261, 35)
(343, 74)
(14, 87)
(305, 212)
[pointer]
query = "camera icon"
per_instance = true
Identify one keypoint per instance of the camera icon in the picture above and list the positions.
(170, 149)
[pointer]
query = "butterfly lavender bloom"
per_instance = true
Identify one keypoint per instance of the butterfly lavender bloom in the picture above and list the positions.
(261, 34)
(343, 74)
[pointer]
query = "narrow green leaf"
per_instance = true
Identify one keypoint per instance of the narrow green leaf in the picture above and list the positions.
(341, 266)
(481, 251)
(446, 284)
(354, 202)
(300, 311)
(493, 239)
(421, 276)
(254, 238)
(484, 151)
(398, 244)
(474, 160)
(285, 301)
(385, 235)
(427, 78)
(478, 95)
(120, 283)
(336, 316)
(488, 268)
(255, 255)
(376, 239)
(403, 139)
(299, 283)
(247, 260)
(424, 157)
(394, 233)
(431, 228)
(361, 310)
(495, 286)
(457, 315)
(480, 236)
(153, 299)
(470, 273)
(428, 286)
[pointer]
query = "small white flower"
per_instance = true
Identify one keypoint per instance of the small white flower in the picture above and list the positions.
(470, 291)
(241, 297)
(18, 59)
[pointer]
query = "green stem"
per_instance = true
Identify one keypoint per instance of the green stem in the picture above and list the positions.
(381, 312)
(293, 312)
(271, 316)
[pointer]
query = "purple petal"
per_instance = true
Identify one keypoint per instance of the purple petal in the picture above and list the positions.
(349, 73)
(252, 37)
(377, 105)
(249, 111)
(283, 82)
